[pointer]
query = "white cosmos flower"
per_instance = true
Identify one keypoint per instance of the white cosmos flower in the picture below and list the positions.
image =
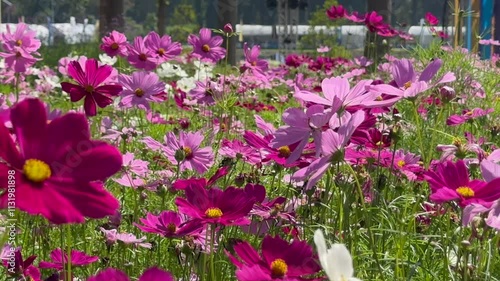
(105, 59)
(336, 261)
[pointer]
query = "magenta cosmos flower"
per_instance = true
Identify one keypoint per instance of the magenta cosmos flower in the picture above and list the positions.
(336, 12)
(22, 268)
(60, 259)
(115, 44)
(90, 85)
(279, 261)
(163, 47)
(140, 88)
(151, 274)
(168, 224)
(141, 57)
(228, 207)
(451, 182)
(57, 168)
(207, 47)
(431, 19)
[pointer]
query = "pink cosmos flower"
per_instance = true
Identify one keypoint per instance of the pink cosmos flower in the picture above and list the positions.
(338, 94)
(332, 143)
(279, 260)
(91, 85)
(168, 224)
(300, 126)
(115, 44)
(112, 236)
(431, 19)
(140, 88)
(228, 207)
(19, 60)
(163, 47)
(60, 259)
(467, 115)
(58, 169)
(451, 182)
(141, 57)
(355, 17)
(151, 274)
(23, 38)
(207, 47)
(186, 152)
(206, 92)
(323, 49)
(253, 63)
(237, 150)
(492, 219)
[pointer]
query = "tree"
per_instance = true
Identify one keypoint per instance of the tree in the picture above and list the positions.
(161, 16)
(111, 16)
(228, 13)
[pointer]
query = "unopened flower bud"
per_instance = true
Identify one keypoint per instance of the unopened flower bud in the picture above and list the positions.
(228, 28)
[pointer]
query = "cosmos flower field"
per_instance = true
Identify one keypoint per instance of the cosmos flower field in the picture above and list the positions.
(158, 161)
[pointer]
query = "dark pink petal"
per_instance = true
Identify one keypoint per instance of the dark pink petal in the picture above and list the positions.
(110, 90)
(90, 106)
(247, 253)
(29, 120)
(75, 92)
(156, 274)
(102, 100)
(8, 150)
(64, 134)
(90, 161)
(110, 274)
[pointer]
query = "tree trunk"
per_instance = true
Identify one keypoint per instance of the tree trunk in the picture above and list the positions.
(110, 16)
(228, 13)
(497, 25)
(161, 24)
(375, 48)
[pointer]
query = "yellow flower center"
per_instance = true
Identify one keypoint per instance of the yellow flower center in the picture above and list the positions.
(19, 42)
(279, 268)
(114, 46)
(401, 163)
(171, 228)
(284, 151)
(457, 142)
(89, 89)
(213, 213)
(161, 51)
(205, 48)
(469, 113)
(407, 85)
(380, 144)
(465, 191)
(188, 152)
(254, 63)
(379, 98)
(139, 92)
(36, 171)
